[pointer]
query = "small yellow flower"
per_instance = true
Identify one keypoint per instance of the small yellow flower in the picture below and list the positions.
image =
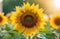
(28, 19)
(3, 19)
(55, 21)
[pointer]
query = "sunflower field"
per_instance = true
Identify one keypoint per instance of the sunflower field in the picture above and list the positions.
(30, 19)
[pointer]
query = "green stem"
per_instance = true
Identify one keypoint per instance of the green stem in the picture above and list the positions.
(59, 35)
(28, 37)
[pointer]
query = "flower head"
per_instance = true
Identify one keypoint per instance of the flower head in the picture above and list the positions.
(28, 19)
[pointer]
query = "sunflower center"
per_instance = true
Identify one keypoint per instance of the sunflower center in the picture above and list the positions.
(0, 18)
(28, 19)
(57, 21)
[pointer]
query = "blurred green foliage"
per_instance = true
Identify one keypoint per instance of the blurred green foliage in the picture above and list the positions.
(9, 5)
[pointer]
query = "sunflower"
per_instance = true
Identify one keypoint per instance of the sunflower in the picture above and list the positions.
(8, 15)
(55, 21)
(3, 19)
(28, 19)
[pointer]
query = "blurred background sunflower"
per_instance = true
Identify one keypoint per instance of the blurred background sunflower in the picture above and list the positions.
(3, 18)
(55, 21)
(8, 15)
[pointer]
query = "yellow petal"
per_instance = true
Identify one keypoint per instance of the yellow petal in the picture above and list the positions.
(41, 10)
(18, 9)
(26, 6)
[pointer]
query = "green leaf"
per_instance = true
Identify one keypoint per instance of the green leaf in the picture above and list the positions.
(13, 31)
(8, 37)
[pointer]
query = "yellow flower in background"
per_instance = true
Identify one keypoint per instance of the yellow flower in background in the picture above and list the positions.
(28, 19)
(3, 19)
(55, 21)
(8, 15)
